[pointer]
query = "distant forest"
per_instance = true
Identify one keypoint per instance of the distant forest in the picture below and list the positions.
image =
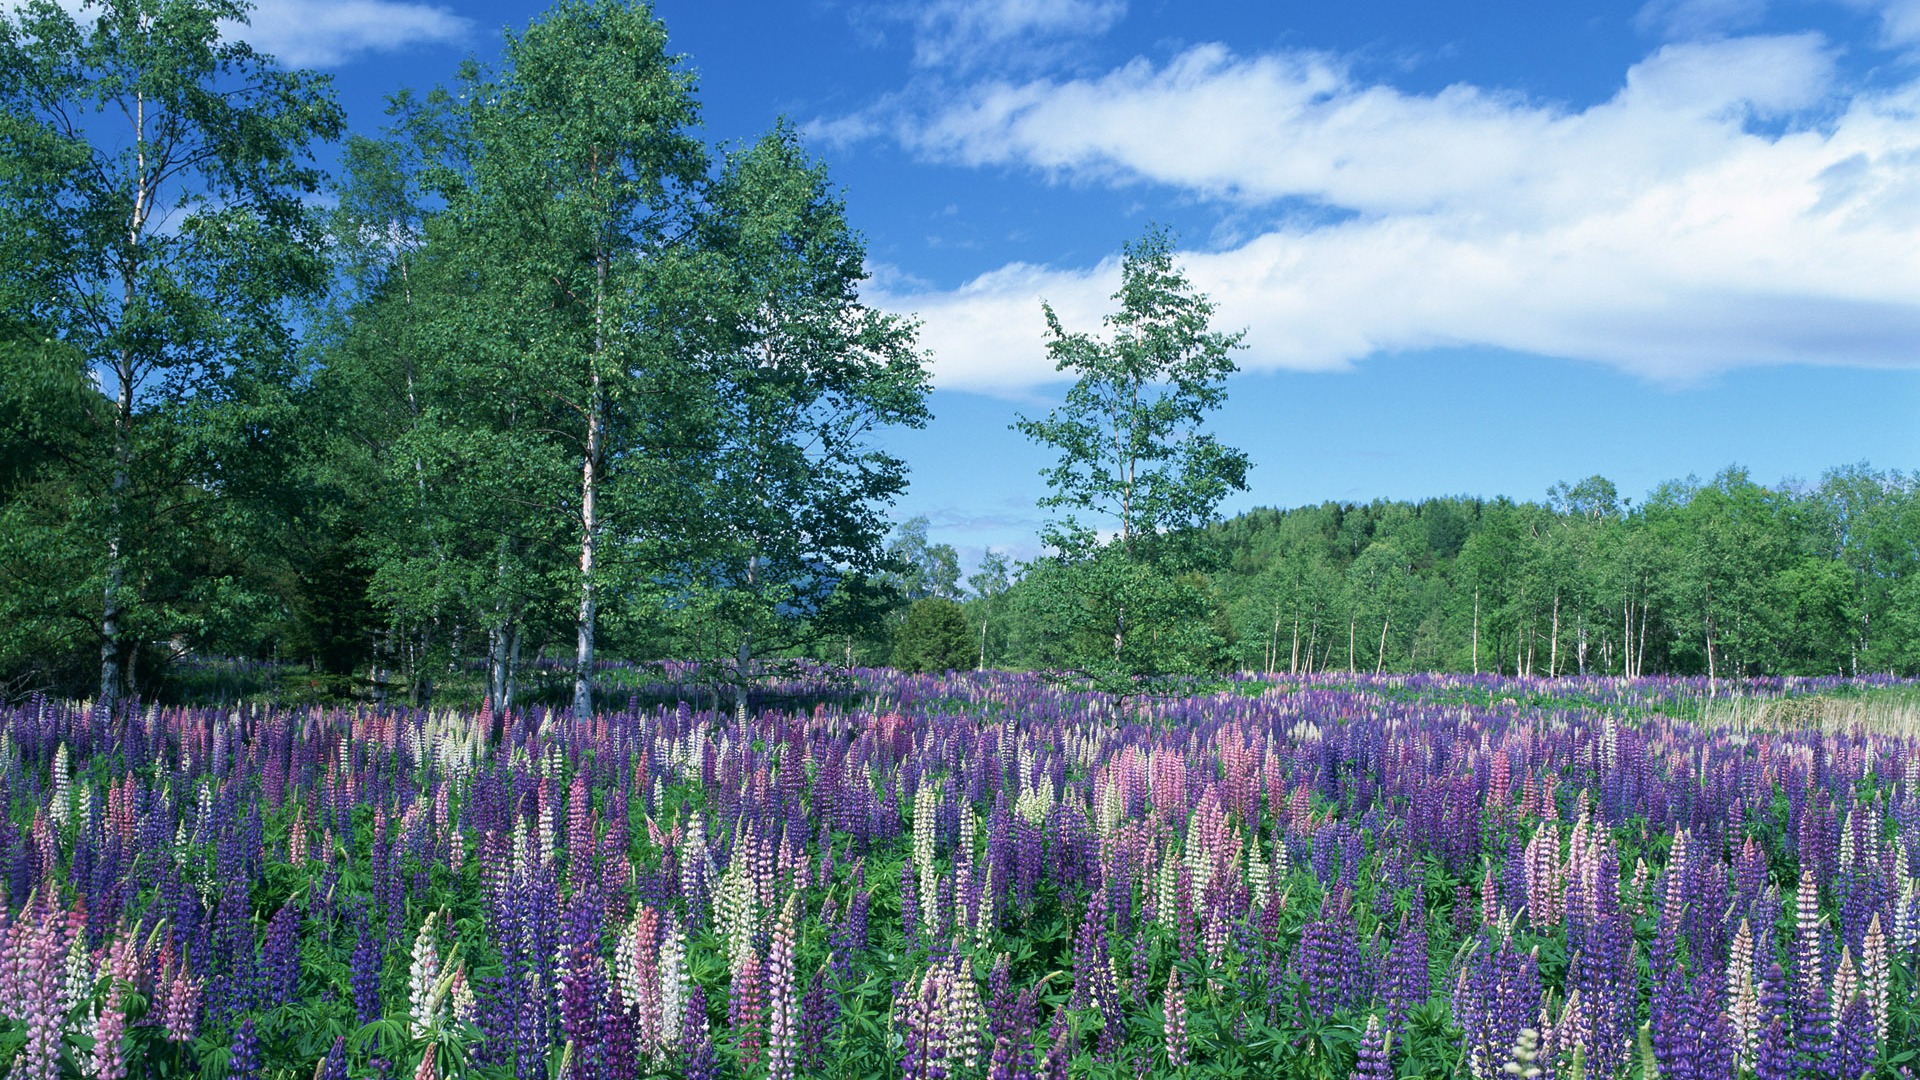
(1724, 578)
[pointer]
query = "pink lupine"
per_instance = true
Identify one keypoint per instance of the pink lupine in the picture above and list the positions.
(180, 1015)
(42, 988)
(110, 1021)
(783, 1001)
(1176, 1020)
(1546, 878)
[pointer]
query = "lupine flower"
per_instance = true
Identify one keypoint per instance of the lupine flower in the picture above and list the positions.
(243, 1054)
(365, 978)
(334, 1065)
(697, 1051)
(782, 1000)
(110, 1019)
(1175, 1025)
(1375, 1062)
(1877, 978)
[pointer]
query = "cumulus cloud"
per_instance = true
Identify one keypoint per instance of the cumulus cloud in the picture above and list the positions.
(1665, 230)
(327, 33)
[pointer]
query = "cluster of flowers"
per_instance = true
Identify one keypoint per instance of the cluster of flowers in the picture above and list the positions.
(978, 876)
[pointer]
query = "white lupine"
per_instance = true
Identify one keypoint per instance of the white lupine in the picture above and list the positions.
(925, 803)
(80, 970)
(1846, 983)
(1877, 977)
(421, 976)
(674, 987)
(1258, 876)
(1165, 883)
(1743, 1010)
(61, 809)
(736, 914)
(465, 1008)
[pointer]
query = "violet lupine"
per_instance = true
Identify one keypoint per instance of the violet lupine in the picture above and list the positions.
(1375, 1062)
(1853, 1041)
(334, 1065)
(281, 958)
(243, 1054)
(698, 1060)
(923, 1035)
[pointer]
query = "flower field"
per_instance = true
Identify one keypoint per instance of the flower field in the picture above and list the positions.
(977, 876)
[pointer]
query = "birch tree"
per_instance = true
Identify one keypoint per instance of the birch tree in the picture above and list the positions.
(154, 198)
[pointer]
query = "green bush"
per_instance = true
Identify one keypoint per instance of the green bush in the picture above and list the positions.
(936, 637)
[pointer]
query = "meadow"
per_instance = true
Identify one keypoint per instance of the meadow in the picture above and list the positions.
(976, 875)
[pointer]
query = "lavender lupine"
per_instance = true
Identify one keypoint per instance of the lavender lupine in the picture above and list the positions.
(121, 970)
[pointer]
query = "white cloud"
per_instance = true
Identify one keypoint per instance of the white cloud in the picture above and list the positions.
(327, 33)
(968, 34)
(1699, 18)
(1657, 231)
(322, 33)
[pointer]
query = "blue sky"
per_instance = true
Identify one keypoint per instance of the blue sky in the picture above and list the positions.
(1477, 247)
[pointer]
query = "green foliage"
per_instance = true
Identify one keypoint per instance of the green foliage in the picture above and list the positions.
(153, 222)
(935, 637)
(1132, 453)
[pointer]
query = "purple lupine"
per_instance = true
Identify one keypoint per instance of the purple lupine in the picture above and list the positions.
(281, 957)
(1325, 964)
(819, 1011)
(334, 1066)
(1404, 974)
(1374, 1061)
(1777, 1059)
(1853, 1041)
(365, 977)
(243, 1053)
(699, 1062)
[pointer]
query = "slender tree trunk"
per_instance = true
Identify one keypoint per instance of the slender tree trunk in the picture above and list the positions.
(1476, 631)
(1626, 634)
(983, 645)
(1293, 661)
(589, 506)
(744, 660)
(1380, 662)
(1351, 621)
(1553, 651)
(1640, 660)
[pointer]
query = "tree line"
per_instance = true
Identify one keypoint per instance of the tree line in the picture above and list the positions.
(1722, 578)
